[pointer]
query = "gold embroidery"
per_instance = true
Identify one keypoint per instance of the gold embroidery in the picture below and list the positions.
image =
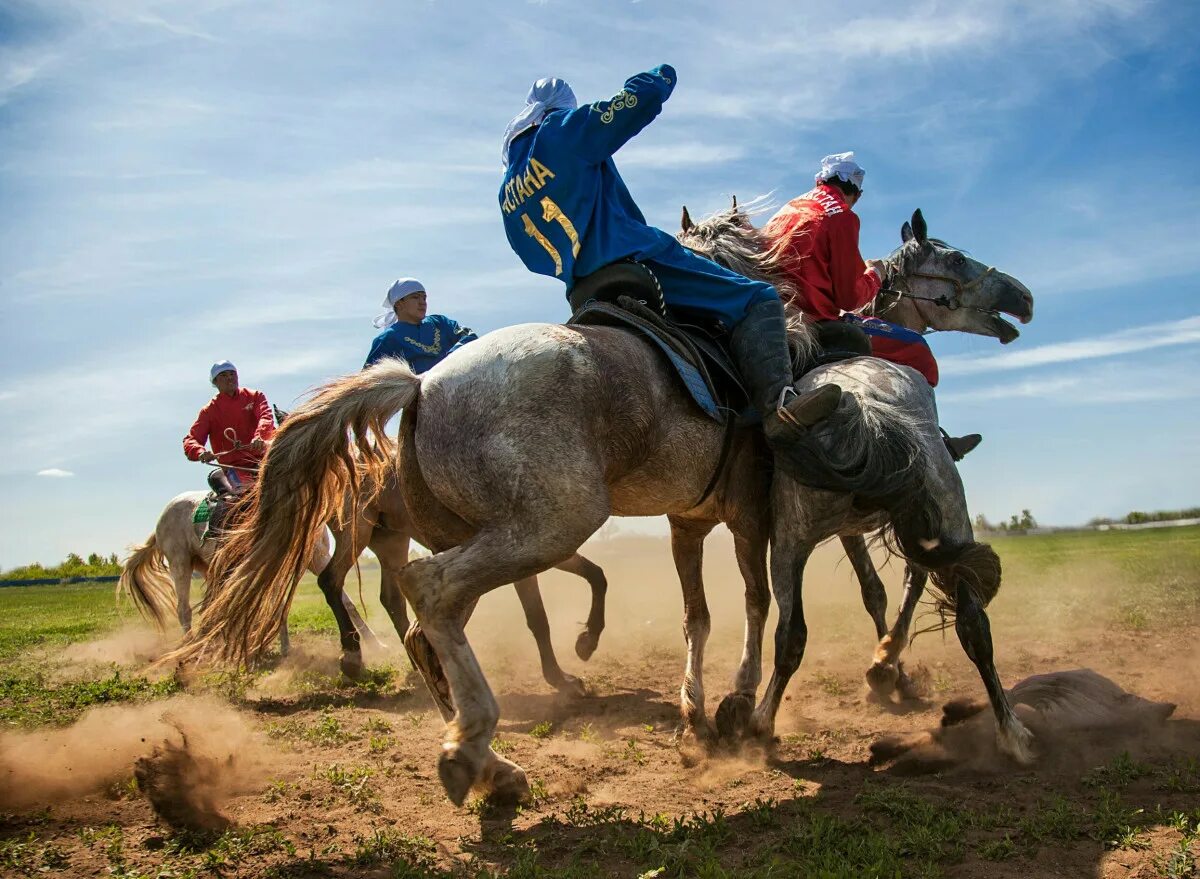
(620, 101)
(432, 349)
(532, 231)
(552, 212)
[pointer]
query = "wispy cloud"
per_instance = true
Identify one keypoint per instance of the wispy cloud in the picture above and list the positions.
(55, 472)
(1144, 338)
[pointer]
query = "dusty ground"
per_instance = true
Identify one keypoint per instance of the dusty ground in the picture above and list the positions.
(318, 777)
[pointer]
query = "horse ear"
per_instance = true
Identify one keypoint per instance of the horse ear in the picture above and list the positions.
(906, 233)
(685, 222)
(920, 229)
(734, 204)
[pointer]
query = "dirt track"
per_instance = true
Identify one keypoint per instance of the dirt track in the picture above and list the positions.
(340, 763)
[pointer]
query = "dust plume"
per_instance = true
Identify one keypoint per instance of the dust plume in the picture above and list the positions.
(194, 752)
(132, 644)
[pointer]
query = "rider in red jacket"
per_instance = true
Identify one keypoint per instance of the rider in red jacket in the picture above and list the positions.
(237, 423)
(815, 238)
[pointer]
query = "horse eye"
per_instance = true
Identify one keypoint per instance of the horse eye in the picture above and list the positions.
(959, 259)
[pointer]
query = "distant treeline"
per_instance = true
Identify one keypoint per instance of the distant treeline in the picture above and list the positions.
(1137, 517)
(95, 565)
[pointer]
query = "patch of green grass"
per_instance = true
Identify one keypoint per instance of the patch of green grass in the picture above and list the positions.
(386, 845)
(542, 730)
(832, 685)
(353, 784)
(30, 856)
(29, 699)
(997, 849)
(1118, 772)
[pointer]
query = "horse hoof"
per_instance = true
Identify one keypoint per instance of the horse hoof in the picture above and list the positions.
(456, 773)
(882, 678)
(510, 785)
(569, 685)
(733, 717)
(586, 644)
(1015, 740)
(352, 666)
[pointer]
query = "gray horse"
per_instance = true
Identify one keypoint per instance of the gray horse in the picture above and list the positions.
(380, 522)
(919, 297)
(512, 452)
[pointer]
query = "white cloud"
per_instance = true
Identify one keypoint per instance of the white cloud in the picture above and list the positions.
(55, 472)
(1143, 338)
(684, 155)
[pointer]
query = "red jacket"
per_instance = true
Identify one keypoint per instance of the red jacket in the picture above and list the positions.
(246, 412)
(818, 236)
(914, 354)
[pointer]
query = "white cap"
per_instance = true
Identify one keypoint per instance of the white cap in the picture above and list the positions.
(545, 96)
(843, 167)
(219, 367)
(399, 290)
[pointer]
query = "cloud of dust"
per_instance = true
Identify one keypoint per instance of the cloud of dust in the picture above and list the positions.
(132, 644)
(198, 750)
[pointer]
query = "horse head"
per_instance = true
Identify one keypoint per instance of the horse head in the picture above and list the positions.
(931, 285)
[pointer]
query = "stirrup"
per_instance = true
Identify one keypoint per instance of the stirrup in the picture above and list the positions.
(812, 407)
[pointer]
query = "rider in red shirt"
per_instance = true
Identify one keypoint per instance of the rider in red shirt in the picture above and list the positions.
(816, 239)
(237, 423)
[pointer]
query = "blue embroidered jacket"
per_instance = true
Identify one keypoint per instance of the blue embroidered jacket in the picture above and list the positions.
(566, 210)
(423, 345)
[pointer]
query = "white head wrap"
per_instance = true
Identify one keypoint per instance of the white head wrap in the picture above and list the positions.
(219, 367)
(544, 96)
(403, 287)
(843, 167)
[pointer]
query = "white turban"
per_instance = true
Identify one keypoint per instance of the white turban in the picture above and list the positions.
(843, 167)
(403, 287)
(544, 96)
(219, 367)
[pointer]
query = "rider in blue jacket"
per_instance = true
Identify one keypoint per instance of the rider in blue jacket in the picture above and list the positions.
(423, 340)
(567, 213)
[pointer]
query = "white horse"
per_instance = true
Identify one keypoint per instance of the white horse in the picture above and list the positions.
(164, 564)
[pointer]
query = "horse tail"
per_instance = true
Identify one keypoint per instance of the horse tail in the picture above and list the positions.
(320, 456)
(145, 579)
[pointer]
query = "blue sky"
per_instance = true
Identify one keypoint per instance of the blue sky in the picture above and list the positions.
(187, 181)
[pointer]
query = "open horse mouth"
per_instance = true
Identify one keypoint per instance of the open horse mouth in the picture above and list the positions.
(1016, 302)
(1004, 331)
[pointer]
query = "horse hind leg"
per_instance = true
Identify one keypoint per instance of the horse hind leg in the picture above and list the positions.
(589, 638)
(535, 618)
(886, 674)
(443, 588)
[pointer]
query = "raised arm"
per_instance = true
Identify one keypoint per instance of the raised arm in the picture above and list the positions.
(600, 129)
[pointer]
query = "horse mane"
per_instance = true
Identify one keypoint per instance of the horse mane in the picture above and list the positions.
(729, 239)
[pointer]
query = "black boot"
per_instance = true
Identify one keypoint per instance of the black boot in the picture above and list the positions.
(760, 350)
(960, 446)
(223, 496)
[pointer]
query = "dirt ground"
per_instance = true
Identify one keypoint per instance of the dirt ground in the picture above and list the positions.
(318, 777)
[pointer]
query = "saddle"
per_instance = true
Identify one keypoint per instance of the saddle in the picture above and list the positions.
(627, 295)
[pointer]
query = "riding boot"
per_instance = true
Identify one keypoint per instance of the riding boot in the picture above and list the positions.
(222, 488)
(760, 350)
(960, 446)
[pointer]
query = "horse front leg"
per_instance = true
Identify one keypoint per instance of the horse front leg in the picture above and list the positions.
(873, 594)
(687, 548)
(331, 581)
(750, 548)
(975, 634)
(589, 638)
(535, 618)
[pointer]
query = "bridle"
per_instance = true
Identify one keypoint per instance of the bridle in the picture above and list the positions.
(952, 303)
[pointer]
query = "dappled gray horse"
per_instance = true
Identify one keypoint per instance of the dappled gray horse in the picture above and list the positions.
(512, 452)
(919, 294)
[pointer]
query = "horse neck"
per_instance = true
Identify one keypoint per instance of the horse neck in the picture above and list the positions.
(902, 312)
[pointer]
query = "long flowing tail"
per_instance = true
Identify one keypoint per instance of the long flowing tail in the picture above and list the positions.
(147, 582)
(303, 483)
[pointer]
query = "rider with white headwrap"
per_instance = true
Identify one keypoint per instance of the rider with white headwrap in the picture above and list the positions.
(816, 238)
(408, 332)
(567, 213)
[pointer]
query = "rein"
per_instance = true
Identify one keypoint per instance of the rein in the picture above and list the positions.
(952, 303)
